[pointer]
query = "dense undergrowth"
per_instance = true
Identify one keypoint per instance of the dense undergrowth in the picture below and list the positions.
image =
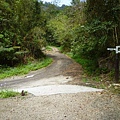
(89, 65)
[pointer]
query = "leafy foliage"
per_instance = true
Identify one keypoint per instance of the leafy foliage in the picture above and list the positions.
(36, 39)
(102, 24)
(88, 29)
(99, 31)
(17, 21)
(59, 29)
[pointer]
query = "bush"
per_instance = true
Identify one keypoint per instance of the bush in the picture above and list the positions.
(34, 41)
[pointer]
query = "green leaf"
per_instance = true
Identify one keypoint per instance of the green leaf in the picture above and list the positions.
(1, 35)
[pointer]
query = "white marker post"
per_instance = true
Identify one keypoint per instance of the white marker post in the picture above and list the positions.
(117, 50)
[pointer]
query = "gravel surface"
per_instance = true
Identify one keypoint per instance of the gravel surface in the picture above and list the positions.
(80, 106)
(100, 105)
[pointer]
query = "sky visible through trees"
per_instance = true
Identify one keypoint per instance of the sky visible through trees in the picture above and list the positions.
(60, 2)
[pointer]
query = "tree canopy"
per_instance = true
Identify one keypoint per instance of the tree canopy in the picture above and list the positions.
(21, 30)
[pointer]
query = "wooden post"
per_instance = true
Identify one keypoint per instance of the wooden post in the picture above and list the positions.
(117, 68)
(117, 50)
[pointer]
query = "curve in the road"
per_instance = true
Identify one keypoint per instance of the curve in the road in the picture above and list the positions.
(49, 80)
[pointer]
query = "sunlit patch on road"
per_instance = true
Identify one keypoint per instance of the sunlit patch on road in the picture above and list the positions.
(58, 89)
(29, 76)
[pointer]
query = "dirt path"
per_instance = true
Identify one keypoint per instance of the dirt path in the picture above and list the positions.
(57, 68)
(53, 79)
(65, 106)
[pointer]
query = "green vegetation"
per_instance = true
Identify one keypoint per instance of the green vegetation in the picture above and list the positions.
(88, 65)
(48, 48)
(85, 80)
(22, 31)
(85, 29)
(8, 93)
(24, 69)
(114, 88)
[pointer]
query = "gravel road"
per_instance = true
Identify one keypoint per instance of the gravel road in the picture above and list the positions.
(56, 69)
(97, 105)
(80, 106)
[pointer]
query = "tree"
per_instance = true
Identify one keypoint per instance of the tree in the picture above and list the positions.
(101, 30)
(103, 23)
(17, 21)
(75, 2)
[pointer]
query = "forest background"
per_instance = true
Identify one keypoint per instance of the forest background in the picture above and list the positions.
(84, 30)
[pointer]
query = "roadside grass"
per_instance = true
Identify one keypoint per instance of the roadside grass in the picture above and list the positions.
(85, 80)
(88, 65)
(114, 88)
(24, 69)
(48, 48)
(92, 74)
(8, 93)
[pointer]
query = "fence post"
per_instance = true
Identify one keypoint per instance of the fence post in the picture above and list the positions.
(117, 50)
(117, 68)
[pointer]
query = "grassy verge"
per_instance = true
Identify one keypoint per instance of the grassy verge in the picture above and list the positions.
(114, 88)
(93, 76)
(8, 93)
(24, 69)
(48, 48)
(89, 66)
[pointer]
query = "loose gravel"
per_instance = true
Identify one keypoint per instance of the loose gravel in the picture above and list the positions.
(80, 106)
